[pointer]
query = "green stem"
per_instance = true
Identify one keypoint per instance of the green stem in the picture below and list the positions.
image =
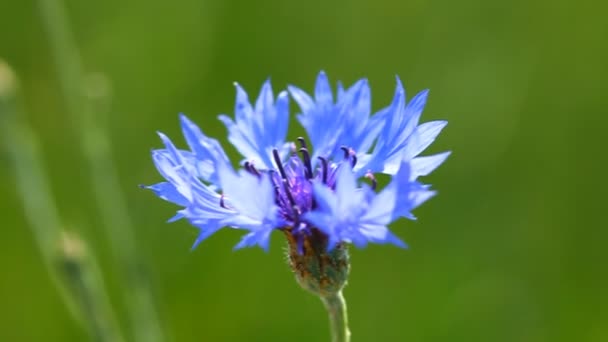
(338, 319)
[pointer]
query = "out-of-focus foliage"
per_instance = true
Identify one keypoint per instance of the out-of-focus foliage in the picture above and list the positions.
(513, 248)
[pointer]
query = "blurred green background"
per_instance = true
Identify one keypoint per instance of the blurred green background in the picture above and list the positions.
(512, 249)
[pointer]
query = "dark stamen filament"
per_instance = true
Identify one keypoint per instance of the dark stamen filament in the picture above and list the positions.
(349, 154)
(323, 169)
(353, 161)
(346, 152)
(371, 177)
(307, 163)
(288, 193)
(306, 157)
(274, 184)
(296, 213)
(251, 169)
(222, 204)
(302, 142)
(277, 159)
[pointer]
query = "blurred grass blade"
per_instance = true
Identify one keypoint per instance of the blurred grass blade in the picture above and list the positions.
(83, 291)
(32, 186)
(104, 178)
(83, 279)
(31, 182)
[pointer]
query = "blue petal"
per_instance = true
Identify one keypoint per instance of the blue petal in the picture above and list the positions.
(401, 137)
(206, 214)
(304, 101)
(422, 166)
(413, 111)
(352, 214)
(201, 202)
(381, 207)
(255, 133)
(188, 160)
(172, 167)
(410, 193)
(323, 94)
(397, 120)
(260, 237)
(345, 123)
(177, 216)
(325, 198)
(346, 184)
(248, 195)
(354, 112)
(427, 132)
(340, 91)
(207, 151)
(204, 234)
(381, 234)
(168, 192)
(389, 135)
(319, 117)
(421, 196)
(253, 202)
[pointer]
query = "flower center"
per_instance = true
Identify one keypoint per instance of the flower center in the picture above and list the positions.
(293, 186)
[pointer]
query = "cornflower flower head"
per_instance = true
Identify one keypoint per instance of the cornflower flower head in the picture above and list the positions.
(320, 192)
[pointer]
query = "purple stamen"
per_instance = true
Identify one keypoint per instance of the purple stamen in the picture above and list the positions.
(371, 177)
(346, 151)
(288, 193)
(277, 159)
(296, 213)
(353, 160)
(274, 183)
(222, 204)
(251, 169)
(307, 163)
(349, 154)
(306, 157)
(324, 168)
(302, 142)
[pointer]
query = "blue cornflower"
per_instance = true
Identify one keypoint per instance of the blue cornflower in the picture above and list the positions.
(312, 193)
